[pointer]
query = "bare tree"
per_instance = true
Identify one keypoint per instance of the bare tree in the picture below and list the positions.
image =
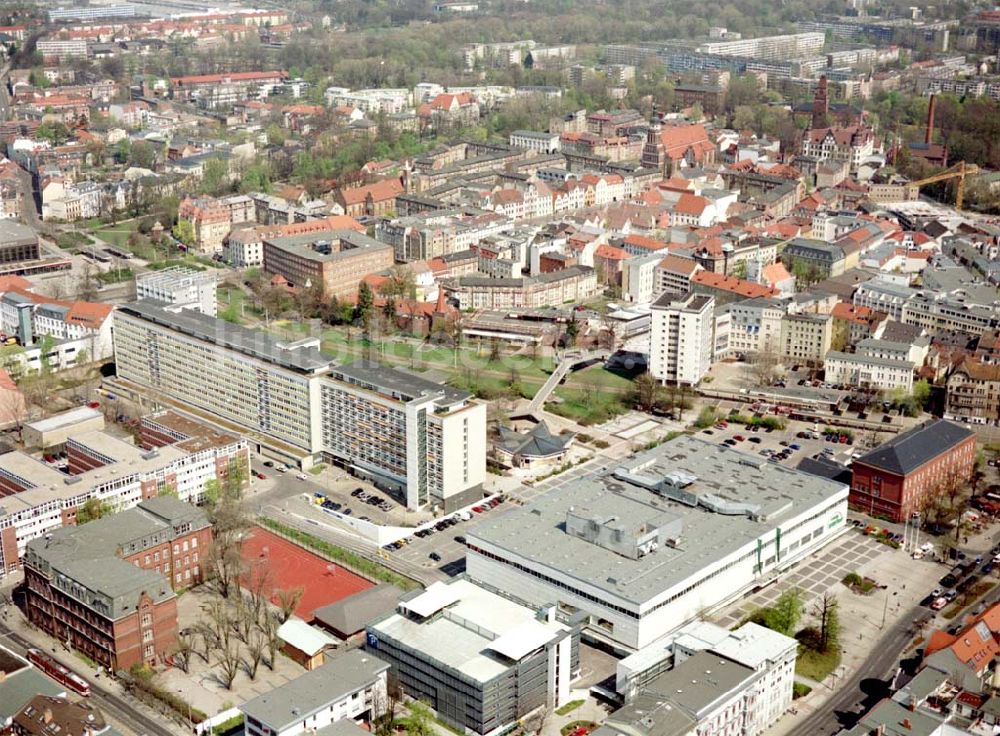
(288, 599)
(255, 647)
(229, 665)
(269, 628)
(184, 651)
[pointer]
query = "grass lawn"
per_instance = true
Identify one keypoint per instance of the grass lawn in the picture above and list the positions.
(116, 276)
(568, 707)
(587, 407)
(118, 234)
(817, 665)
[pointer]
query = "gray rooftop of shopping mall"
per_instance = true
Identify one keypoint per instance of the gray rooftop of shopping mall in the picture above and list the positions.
(697, 501)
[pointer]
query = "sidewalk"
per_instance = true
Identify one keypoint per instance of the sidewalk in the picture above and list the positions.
(865, 621)
(18, 624)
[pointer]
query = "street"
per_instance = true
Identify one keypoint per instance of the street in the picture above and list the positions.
(126, 712)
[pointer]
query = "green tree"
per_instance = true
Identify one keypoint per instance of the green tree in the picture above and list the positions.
(922, 393)
(56, 133)
(93, 509)
(184, 232)
(785, 614)
(420, 721)
(366, 300)
(141, 154)
(215, 176)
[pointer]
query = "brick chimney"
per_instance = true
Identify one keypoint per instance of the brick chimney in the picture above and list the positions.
(929, 134)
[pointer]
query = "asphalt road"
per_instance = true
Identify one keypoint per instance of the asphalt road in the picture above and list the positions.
(113, 705)
(858, 693)
(870, 681)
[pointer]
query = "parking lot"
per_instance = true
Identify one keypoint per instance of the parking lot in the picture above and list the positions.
(785, 446)
(448, 542)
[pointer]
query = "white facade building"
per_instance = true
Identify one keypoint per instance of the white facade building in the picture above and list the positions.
(421, 439)
(351, 688)
(858, 369)
(755, 326)
(639, 279)
(723, 524)
(179, 286)
(681, 338)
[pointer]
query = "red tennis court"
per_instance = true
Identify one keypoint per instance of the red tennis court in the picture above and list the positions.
(286, 566)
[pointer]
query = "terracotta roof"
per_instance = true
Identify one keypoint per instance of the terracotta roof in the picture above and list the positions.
(775, 273)
(380, 191)
(731, 284)
(611, 253)
(228, 77)
(975, 645)
(6, 382)
(89, 314)
(334, 222)
(690, 204)
(9, 283)
(678, 264)
(641, 241)
(979, 371)
(677, 139)
(850, 313)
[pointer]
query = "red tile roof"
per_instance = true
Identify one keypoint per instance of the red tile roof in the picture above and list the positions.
(677, 139)
(380, 191)
(731, 284)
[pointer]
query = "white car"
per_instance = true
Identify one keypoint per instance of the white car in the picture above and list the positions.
(301, 476)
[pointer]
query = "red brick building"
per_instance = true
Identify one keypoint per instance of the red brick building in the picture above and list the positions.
(108, 588)
(893, 480)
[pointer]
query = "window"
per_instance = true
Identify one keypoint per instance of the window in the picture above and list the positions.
(147, 620)
(194, 543)
(148, 651)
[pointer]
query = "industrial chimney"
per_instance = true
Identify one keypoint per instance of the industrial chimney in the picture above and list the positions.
(929, 136)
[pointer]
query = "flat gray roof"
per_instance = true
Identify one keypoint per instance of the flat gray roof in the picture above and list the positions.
(297, 700)
(302, 244)
(699, 681)
(721, 476)
(303, 357)
(399, 383)
(860, 358)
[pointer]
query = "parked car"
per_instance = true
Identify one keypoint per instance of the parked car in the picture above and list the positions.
(268, 464)
(435, 556)
(261, 476)
(939, 603)
(755, 440)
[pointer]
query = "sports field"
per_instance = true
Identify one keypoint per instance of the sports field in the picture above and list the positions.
(286, 566)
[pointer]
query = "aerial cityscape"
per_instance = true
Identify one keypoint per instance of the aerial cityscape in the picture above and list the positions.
(499, 368)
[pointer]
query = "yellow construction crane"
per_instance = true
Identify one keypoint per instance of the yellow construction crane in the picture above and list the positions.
(958, 171)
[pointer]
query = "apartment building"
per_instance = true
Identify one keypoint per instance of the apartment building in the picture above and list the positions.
(107, 588)
(39, 498)
(771, 48)
(674, 274)
(212, 219)
(92, 12)
(851, 145)
(179, 286)
(267, 387)
(825, 260)
(880, 295)
(728, 289)
(574, 283)
(53, 333)
(482, 661)
(639, 278)
(424, 441)
(243, 248)
(754, 326)
(334, 260)
(973, 393)
(941, 312)
(342, 697)
(769, 654)
(869, 371)
(530, 140)
(805, 338)
(681, 338)
(217, 90)
(894, 479)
